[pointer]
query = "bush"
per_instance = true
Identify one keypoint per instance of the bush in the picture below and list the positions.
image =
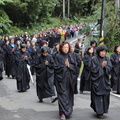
(5, 22)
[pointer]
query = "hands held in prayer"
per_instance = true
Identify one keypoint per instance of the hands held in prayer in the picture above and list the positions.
(67, 63)
(104, 64)
(46, 62)
(25, 58)
(13, 49)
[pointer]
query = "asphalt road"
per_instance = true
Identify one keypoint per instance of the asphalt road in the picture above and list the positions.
(25, 106)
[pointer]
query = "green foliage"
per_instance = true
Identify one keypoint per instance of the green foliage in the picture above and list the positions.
(5, 23)
(112, 25)
(112, 28)
(50, 22)
(19, 16)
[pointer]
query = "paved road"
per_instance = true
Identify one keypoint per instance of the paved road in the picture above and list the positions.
(25, 106)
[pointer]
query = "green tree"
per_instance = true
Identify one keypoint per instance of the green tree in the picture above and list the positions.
(5, 22)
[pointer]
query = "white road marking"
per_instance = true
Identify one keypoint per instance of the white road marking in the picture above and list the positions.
(115, 95)
(75, 39)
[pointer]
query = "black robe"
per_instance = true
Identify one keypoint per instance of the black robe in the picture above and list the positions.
(100, 85)
(1, 62)
(54, 52)
(45, 77)
(33, 54)
(23, 76)
(11, 67)
(78, 65)
(64, 81)
(115, 73)
(85, 82)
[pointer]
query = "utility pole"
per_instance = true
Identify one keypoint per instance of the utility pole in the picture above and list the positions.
(68, 8)
(63, 8)
(102, 20)
(117, 7)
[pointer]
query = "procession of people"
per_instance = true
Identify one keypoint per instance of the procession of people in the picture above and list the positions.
(56, 64)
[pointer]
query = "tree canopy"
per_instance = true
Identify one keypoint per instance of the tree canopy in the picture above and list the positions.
(27, 13)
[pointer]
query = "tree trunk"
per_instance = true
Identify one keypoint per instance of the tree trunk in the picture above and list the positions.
(117, 7)
(63, 8)
(68, 8)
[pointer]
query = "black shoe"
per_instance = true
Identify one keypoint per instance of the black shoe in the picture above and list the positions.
(41, 100)
(13, 77)
(8, 76)
(118, 93)
(54, 99)
(81, 92)
(1, 77)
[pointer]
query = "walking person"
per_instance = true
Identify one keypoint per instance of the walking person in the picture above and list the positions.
(23, 77)
(115, 73)
(85, 81)
(45, 76)
(1, 61)
(78, 65)
(11, 67)
(100, 82)
(65, 74)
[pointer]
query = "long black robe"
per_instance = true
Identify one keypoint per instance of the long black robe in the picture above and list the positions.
(23, 76)
(11, 67)
(51, 42)
(54, 52)
(100, 85)
(78, 65)
(64, 81)
(5, 49)
(115, 73)
(33, 54)
(1, 62)
(45, 77)
(85, 82)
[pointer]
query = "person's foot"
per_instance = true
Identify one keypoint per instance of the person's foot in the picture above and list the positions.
(100, 116)
(8, 76)
(1, 77)
(13, 77)
(41, 100)
(81, 92)
(54, 99)
(63, 117)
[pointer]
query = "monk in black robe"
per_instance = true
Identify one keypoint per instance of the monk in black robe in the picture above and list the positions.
(55, 50)
(115, 73)
(65, 75)
(11, 67)
(6, 51)
(1, 62)
(45, 75)
(78, 65)
(23, 77)
(100, 82)
(85, 81)
(33, 53)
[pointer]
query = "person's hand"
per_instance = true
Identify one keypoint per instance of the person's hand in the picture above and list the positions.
(13, 49)
(119, 59)
(25, 58)
(46, 62)
(67, 63)
(104, 64)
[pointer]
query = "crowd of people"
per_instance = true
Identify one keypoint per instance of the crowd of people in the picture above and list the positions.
(57, 66)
